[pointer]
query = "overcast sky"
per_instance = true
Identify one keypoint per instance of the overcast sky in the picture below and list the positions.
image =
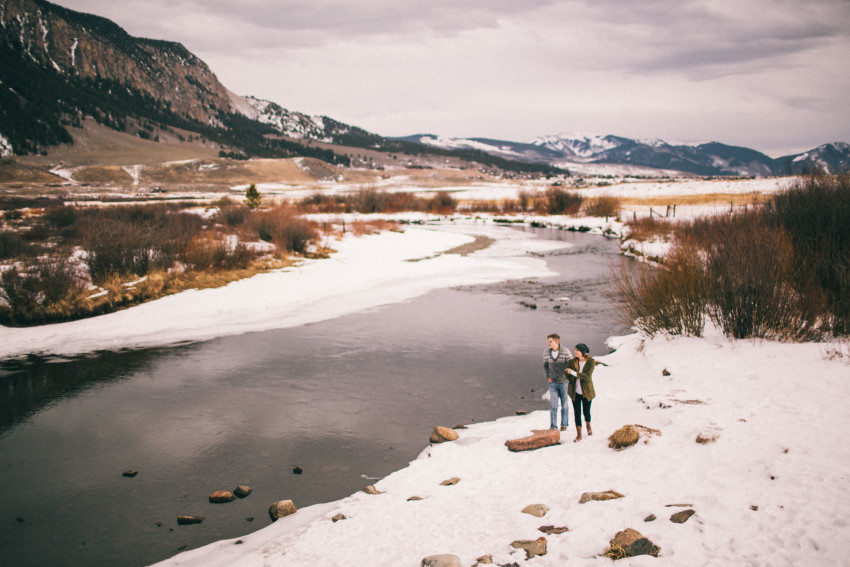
(773, 75)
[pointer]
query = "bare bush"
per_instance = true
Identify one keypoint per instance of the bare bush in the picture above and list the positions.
(603, 207)
(43, 291)
(280, 226)
(661, 299)
(562, 202)
(11, 244)
(815, 212)
(442, 203)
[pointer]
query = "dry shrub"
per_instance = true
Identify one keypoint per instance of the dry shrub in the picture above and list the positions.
(750, 272)
(442, 204)
(360, 228)
(42, 291)
(815, 212)
(624, 437)
(649, 228)
(562, 202)
(282, 227)
(11, 244)
(603, 207)
(320, 203)
(213, 252)
(666, 299)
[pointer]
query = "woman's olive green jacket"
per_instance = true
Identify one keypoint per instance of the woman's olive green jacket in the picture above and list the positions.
(586, 378)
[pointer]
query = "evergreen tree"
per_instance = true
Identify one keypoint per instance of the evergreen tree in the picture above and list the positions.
(253, 197)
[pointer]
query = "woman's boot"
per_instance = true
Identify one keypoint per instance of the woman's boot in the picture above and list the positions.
(589, 429)
(578, 436)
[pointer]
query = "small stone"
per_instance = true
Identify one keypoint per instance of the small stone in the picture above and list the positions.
(650, 518)
(221, 497)
(538, 510)
(681, 517)
(665, 372)
(297, 470)
(520, 412)
(130, 474)
(599, 496)
(249, 519)
(533, 547)
(242, 491)
(281, 509)
(414, 498)
(450, 482)
(443, 434)
(442, 560)
(187, 520)
(754, 508)
(338, 517)
(459, 426)
(372, 490)
(484, 560)
(552, 530)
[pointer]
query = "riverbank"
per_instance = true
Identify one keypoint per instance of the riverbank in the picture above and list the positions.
(763, 469)
(364, 272)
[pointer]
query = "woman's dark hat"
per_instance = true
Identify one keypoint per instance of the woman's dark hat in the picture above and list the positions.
(582, 348)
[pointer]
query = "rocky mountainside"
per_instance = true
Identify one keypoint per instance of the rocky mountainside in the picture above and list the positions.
(710, 158)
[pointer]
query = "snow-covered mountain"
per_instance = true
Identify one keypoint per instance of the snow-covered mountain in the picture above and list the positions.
(701, 158)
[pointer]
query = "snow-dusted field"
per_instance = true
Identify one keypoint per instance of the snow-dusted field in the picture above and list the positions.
(771, 489)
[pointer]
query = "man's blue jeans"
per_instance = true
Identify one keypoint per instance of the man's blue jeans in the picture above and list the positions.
(558, 393)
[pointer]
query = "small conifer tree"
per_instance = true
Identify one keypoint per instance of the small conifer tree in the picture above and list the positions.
(253, 197)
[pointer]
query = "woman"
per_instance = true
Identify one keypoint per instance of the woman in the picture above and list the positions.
(580, 371)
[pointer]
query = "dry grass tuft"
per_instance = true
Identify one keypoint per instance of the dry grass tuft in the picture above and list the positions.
(624, 437)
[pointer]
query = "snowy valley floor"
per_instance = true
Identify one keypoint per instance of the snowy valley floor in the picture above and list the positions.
(771, 489)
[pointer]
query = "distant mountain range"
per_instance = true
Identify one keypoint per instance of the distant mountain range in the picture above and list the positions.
(710, 158)
(61, 67)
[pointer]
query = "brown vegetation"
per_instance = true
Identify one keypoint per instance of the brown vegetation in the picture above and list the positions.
(778, 271)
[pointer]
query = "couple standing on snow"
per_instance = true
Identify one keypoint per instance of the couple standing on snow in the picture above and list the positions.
(569, 377)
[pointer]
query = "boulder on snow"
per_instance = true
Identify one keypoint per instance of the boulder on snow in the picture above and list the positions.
(280, 509)
(629, 543)
(442, 560)
(538, 510)
(682, 517)
(443, 434)
(539, 438)
(532, 547)
(599, 496)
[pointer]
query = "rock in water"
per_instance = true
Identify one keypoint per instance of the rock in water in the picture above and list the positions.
(221, 496)
(186, 520)
(242, 491)
(280, 509)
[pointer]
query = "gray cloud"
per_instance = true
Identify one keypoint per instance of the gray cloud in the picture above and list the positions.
(738, 72)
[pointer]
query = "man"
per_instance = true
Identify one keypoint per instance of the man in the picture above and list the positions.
(554, 364)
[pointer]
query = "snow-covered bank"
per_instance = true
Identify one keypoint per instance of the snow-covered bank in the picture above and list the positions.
(771, 489)
(366, 272)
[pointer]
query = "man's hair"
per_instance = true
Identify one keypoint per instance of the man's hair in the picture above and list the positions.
(555, 336)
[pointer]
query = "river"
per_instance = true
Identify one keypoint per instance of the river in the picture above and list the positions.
(347, 401)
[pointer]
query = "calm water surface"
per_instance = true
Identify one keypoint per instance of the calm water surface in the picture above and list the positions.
(348, 400)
